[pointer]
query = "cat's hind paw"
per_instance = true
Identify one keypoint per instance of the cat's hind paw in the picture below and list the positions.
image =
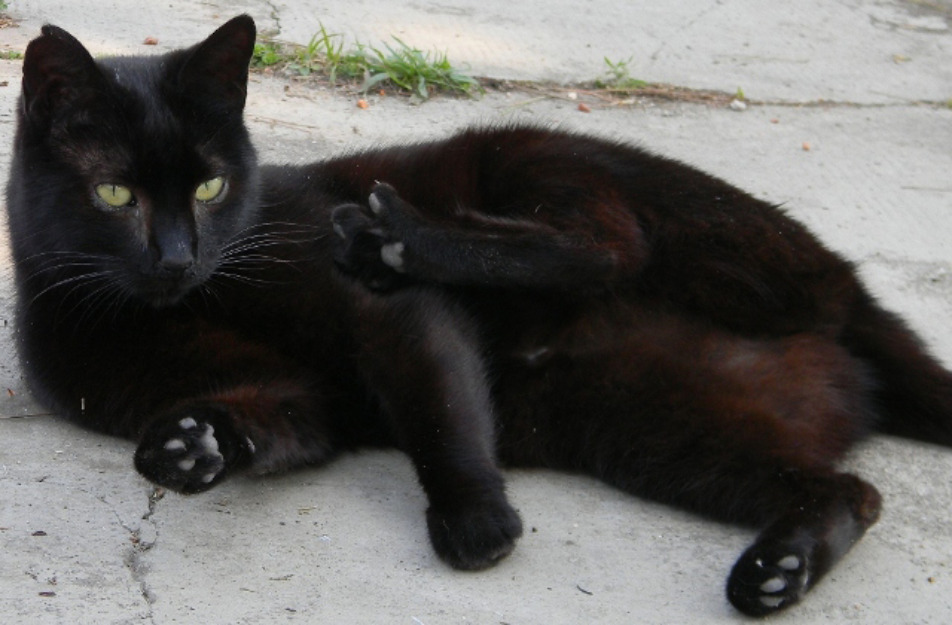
(187, 452)
(371, 245)
(363, 250)
(475, 537)
(766, 581)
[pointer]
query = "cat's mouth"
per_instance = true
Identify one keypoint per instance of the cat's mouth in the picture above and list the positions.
(165, 292)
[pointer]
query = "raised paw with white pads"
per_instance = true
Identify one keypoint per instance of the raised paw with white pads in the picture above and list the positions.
(183, 454)
(764, 583)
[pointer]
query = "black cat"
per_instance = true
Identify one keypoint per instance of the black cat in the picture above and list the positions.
(510, 296)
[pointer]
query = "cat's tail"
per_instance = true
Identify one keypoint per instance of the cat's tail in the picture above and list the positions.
(914, 391)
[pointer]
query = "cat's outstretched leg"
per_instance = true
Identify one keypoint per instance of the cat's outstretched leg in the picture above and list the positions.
(197, 443)
(744, 431)
(393, 243)
(811, 519)
(820, 525)
(422, 365)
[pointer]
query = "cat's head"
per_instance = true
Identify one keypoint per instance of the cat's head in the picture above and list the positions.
(131, 173)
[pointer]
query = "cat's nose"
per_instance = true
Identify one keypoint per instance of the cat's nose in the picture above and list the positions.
(173, 241)
(175, 266)
(175, 258)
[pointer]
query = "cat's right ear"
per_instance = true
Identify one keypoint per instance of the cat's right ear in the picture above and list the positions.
(57, 71)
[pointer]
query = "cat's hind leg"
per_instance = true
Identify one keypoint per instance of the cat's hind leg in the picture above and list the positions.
(819, 525)
(744, 431)
(811, 517)
(392, 243)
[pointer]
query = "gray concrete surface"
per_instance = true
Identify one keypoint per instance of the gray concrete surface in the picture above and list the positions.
(84, 540)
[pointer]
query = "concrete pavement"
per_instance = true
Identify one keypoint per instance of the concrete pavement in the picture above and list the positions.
(84, 540)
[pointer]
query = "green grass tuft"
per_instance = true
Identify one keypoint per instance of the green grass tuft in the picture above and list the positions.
(266, 54)
(399, 65)
(618, 76)
(415, 71)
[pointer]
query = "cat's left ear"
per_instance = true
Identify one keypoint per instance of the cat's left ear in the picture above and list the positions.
(217, 68)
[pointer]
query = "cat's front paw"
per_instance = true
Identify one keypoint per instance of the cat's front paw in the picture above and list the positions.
(190, 451)
(474, 537)
(768, 578)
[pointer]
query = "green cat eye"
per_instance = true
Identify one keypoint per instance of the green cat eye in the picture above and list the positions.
(115, 195)
(210, 190)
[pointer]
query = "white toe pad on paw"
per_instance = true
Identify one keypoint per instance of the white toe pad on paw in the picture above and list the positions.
(209, 441)
(771, 601)
(785, 586)
(196, 450)
(392, 255)
(339, 231)
(375, 204)
(790, 563)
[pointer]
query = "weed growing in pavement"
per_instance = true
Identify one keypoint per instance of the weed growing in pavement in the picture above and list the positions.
(618, 76)
(266, 54)
(416, 71)
(399, 65)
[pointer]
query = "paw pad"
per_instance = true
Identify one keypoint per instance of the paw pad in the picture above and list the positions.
(392, 255)
(184, 456)
(762, 585)
(376, 204)
(788, 584)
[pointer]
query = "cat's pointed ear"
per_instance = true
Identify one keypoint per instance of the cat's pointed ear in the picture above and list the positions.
(57, 71)
(217, 68)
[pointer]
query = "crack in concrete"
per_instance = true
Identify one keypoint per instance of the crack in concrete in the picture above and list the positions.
(275, 15)
(134, 557)
(154, 498)
(689, 95)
